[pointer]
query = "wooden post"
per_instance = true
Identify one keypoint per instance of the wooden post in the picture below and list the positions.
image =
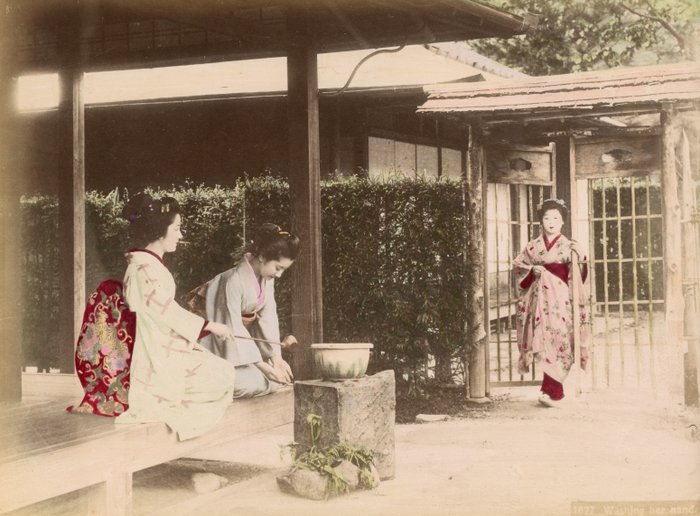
(673, 273)
(71, 195)
(474, 276)
(114, 496)
(691, 272)
(10, 223)
(691, 280)
(304, 189)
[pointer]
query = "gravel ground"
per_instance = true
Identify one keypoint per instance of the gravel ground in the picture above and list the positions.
(513, 457)
(630, 453)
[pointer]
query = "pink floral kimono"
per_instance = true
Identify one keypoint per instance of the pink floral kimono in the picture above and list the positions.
(544, 317)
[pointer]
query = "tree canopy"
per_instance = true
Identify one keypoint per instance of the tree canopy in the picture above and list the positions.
(580, 35)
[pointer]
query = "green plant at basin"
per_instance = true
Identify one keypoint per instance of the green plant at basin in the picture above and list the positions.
(325, 460)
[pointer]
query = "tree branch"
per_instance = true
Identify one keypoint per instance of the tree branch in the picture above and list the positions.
(664, 23)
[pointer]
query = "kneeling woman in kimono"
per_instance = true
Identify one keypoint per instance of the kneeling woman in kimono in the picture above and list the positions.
(243, 298)
(544, 317)
(173, 378)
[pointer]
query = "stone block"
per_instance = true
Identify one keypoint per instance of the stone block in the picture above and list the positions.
(360, 412)
(306, 483)
(207, 482)
(350, 473)
(431, 418)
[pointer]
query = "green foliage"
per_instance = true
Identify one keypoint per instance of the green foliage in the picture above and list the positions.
(324, 460)
(393, 261)
(393, 268)
(39, 254)
(314, 422)
(579, 35)
(105, 232)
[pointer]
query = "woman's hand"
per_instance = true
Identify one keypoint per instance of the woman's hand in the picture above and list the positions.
(289, 342)
(272, 373)
(281, 365)
(537, 270)
(220, 330)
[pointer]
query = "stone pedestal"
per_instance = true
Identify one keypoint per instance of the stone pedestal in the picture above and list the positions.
(360, 412)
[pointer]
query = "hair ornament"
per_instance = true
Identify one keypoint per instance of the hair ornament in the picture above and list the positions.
(165, 208)
(133, 217)
(283, 233)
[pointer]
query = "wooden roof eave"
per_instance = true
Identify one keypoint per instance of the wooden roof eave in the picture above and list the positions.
(627, 91)
(145, 33)
(530, 116)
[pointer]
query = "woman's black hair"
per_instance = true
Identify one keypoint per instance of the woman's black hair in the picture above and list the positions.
(552, 204)
(149, 218)
(271, 243)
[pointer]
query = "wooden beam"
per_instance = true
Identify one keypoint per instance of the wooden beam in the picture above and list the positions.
(347, 23)
(495, 118)
(476, 268)
(486, 15)
(673, 273)
(604, 131)
(452, 143)
(71, 197)
(10, 224)
(304, 189)
(208, 16)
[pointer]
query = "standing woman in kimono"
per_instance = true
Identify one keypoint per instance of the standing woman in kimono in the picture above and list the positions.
(173, 378)
(243, 298)
(544, 317)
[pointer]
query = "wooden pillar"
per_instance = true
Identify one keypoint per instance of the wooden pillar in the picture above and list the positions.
(673, 273)
(691, 278)
(10, 223)
(691, 250)
(71, 194)
(474, 277)
(305, 189)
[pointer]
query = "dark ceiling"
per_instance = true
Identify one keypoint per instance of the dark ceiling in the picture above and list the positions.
(131, 33)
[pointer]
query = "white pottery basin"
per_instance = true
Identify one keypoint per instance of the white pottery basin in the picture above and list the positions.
(341, 361)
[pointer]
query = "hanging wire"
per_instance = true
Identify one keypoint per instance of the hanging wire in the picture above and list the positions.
(357, 66)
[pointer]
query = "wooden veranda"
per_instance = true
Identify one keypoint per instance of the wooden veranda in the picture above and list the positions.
(73, 37)
(632, 123)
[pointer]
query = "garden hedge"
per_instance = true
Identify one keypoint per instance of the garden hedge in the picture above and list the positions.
(393, 261)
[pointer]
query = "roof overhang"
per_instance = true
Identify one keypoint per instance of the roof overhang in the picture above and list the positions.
(133, 33)
(600, 93)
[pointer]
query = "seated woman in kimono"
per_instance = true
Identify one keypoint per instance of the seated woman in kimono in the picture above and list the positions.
(243, 298)
(173, 378)
(544, 319)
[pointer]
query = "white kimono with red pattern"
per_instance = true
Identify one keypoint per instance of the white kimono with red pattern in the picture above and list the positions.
(173, 378)
(544, 317)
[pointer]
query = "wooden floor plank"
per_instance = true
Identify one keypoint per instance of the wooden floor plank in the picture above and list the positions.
(35, 428)
(47, 451)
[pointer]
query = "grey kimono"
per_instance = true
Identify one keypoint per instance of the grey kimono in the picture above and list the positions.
(236, 298)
